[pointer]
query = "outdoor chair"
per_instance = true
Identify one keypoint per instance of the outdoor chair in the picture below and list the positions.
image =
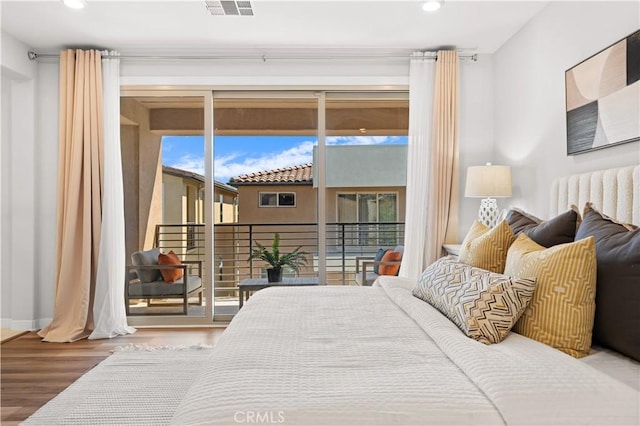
(143, 280)
(367, 266)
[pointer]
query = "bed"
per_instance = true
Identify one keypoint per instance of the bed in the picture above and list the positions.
(380, 356)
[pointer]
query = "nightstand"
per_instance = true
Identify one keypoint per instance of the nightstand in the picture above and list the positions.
(452, 249)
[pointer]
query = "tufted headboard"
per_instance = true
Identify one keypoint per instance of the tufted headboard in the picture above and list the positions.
(615, 192)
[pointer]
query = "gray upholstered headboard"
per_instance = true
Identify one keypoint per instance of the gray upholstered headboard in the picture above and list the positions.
(615, 192)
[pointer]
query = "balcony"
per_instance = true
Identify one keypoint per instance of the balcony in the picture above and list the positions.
(233, 242)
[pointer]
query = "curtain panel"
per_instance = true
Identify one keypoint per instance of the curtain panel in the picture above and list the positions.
(90, 215)
(421, 81)
(443, 180)
(79, 209)
(432, 163)
(108, 308)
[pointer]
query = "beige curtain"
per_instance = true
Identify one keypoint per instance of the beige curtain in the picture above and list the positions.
(442, 223)
(79, 195)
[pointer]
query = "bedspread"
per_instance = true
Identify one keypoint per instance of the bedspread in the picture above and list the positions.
(379, 356)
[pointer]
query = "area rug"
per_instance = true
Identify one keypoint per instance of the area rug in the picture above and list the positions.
(137, 385)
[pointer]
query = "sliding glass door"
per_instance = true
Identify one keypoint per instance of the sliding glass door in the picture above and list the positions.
(213, 175)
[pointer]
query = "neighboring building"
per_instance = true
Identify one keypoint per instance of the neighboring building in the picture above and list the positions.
(183, 209)
(365, 183)
(183, 198)
(264, 196)
(365, 188)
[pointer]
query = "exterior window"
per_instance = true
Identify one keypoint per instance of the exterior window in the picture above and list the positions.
(277, 199)
(287, 199)
(366, 213)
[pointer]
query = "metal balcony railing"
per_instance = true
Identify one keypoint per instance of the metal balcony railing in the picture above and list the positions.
(234, 241)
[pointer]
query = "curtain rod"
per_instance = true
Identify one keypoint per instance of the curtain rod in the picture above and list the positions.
(264, 58)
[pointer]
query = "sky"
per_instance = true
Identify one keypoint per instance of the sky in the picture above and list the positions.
(239, 155)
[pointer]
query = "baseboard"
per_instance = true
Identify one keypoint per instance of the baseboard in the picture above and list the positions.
(43, 322)
(5, 323)
(23, 325)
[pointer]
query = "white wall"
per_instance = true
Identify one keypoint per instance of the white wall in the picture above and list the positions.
(5, 213)
(19, 194)
(46, 184)
(529, 97)
(476, 130)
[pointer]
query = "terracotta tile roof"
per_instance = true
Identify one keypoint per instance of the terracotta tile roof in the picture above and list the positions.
(302, 174)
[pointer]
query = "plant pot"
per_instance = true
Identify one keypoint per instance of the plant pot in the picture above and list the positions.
(274, 275)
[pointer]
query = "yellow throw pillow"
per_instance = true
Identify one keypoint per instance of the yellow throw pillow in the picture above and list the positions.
(562, 309)
(486, 248)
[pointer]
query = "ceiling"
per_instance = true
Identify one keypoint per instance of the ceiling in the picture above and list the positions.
(303, 25)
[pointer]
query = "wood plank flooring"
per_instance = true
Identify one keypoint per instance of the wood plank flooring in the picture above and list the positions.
(33, 372)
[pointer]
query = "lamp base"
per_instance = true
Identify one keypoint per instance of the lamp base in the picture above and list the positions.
(488, 213)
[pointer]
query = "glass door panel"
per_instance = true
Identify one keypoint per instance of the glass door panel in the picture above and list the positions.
(264, 145)
(163, 151)
(366, 177)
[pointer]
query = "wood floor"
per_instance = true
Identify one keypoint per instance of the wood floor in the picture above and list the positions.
(33, 372)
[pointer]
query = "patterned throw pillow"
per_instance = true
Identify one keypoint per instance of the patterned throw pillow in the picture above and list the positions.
(562, 309)
(170, 275)
(485, 247)
(483, 304)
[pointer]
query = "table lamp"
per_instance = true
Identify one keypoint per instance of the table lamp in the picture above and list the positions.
(488, 182)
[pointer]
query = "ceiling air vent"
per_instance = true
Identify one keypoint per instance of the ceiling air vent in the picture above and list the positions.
(229, 7)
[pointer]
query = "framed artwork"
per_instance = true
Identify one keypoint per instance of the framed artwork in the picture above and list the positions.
(603, 98)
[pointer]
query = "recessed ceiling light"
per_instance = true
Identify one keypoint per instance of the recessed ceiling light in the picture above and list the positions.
(75, 4)
(432, 5)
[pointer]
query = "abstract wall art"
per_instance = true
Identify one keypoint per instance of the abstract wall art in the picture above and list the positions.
(603, 98)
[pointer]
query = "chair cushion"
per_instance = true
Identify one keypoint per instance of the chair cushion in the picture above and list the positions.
(378, 258)
(164, 289)
(147, 258)
(399, 249)
(390, 256)
(170, 275)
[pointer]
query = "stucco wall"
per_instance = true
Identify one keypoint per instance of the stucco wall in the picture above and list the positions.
(174, 199)
(250, 212)
(148, 170)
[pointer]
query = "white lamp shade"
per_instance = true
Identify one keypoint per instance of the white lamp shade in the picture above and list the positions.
(488, 182)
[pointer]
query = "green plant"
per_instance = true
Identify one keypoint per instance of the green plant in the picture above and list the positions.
(295, 260)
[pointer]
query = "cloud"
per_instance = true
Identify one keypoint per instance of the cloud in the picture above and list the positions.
(361, 140)
(191, 163)
(237, 164)
(227, 167)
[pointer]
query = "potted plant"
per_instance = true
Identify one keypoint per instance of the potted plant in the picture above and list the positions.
(294, 260)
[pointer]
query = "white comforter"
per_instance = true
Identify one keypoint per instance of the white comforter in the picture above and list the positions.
(379, 356)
